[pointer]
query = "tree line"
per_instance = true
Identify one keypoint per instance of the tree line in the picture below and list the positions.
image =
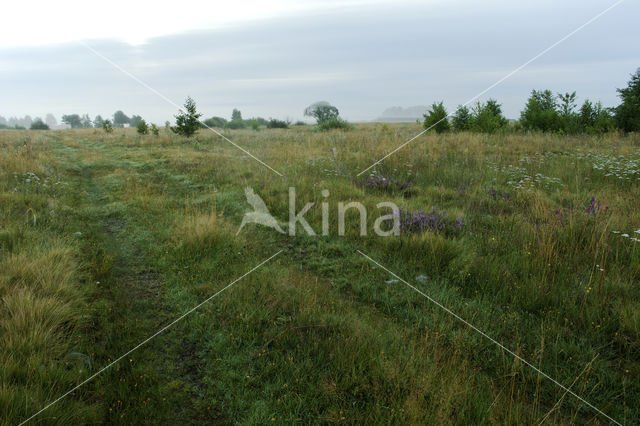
(544, 111)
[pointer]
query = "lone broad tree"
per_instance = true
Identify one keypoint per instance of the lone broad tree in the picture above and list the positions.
(187, 122)
(321, 111)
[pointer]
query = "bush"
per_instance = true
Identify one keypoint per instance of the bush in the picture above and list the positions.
(106, 125)
(334, 123)
(216, 122)
(236, 124)
(540, 112)
(142, 127)
(436, 118)
(187, 122)
(38, 124)
(488, 118)
(154, 130)
(277, 124)
(462, 119)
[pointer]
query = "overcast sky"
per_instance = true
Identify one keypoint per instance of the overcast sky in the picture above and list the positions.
(272, 59)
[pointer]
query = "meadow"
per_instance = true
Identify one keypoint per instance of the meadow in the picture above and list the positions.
(106, 238)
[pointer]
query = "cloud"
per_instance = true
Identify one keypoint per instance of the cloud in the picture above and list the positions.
(362, 58)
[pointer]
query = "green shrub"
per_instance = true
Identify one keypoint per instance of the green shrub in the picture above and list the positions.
(142, 128)
(38, 124)
(436, 118)
(461, 120)
(106, 125)
(215, 122)
(236, 124)
(540, 112)
(595, 119)
(277, 124)
(187, 122)
(254, 125)
(334, 123)
(488, 118)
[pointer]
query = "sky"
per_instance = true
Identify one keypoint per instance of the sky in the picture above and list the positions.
(272, 59)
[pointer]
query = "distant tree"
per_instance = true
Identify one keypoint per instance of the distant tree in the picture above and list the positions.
(321, 111)
(545, 99)
(436, 118)
(487, 117)
(187, 122)
(567, 103)
(120, 119)
(98, 121)
(215, 122)
(25, 122)
(3, 121)
(51, 121)
(85, 121)
(72, 120)
(595, 119)
(106, 125)
(462, 119)
(569, 119)
(167, 124)
(236, 115)
(540, 112)
(38, 124)
(134, 120)
(587, 114)
(142, 128)
(628, 112)
(154, 130)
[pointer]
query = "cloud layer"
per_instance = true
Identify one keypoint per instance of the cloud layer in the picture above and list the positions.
(362, 58)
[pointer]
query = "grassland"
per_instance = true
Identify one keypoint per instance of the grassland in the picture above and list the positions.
(106, 238)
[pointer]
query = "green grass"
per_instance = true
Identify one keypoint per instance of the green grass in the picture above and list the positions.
(104, 239)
